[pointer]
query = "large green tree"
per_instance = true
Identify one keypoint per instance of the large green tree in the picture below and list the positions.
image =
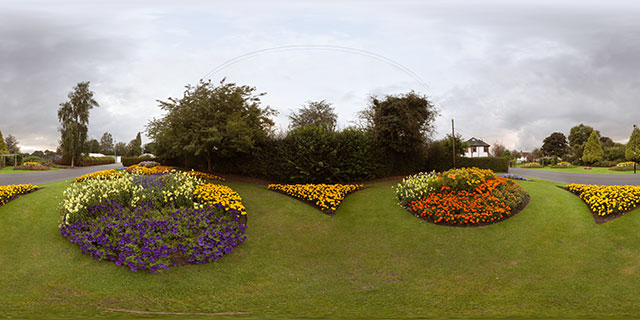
(106, 143)
(578, 137)
(134, 148)
(74, 119)
(401, 122)
(92, 146)
(632, 152)
(211, 121)
(120, 149)
(3, 145)
(555, 145)
(318, 113)
(593, 149)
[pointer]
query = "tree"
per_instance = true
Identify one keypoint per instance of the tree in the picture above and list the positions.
(12, 144)
(74, 118)
(106, 143)
(536, 154)
(632, 153)
(92, 146)
(447, 145)
(134, 148)
(210, 121)
(515, 154)
(593, 149)
(606, 142)
(555, 144)
(577, 139)
(497, 150)
(318, 113)
(615, 152)
(402, 122)
(3, 145)
(121, 148)
(507, 154)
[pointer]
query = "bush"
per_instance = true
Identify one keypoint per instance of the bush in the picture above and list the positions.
(623, 166)
(497, 164)
(562, 165)
(129, 161)
(93, 161)
(605, 164)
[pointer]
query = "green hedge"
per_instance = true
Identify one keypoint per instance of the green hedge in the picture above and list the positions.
(129, 161)
(497, 164)
(93, 161)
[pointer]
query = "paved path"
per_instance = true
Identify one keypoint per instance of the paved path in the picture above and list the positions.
(583, 178)
(40, 177)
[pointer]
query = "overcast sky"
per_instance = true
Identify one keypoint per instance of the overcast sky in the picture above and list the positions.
(506, 72)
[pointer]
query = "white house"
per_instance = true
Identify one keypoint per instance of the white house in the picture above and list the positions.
(477, 148)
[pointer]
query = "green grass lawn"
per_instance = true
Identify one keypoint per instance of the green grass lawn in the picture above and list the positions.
(581, 169)
(372, 260)
(9, 170)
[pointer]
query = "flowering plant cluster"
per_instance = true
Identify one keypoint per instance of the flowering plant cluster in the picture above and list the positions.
(623, 166)
(99, 175)
(204, 175)
(8, 193)
(32, 165)
(607, 200)
(563, 164)
(144, 238)
(148, 170)
(145, 221)
(531, 165)
(467, 196)
(212, 194)
(327, 197)
(148, 164)
(512, 176)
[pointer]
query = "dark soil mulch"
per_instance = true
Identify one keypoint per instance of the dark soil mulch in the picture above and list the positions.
(598, 218)
(513, 213)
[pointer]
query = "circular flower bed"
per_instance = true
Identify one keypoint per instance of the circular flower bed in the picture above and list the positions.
(461, 197)
(152, 221)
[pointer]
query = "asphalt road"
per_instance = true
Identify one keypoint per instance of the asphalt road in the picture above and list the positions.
(582, 178)
(40, 177)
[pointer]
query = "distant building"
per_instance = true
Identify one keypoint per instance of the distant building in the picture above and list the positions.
(477, 148)
(526, 156)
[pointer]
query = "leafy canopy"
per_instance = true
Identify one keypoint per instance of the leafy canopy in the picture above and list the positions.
(316, 113)
(555, 144)
(632, 152)
(593, 149)
(74, 118)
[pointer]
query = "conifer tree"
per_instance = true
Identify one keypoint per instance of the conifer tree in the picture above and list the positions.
(593, 149)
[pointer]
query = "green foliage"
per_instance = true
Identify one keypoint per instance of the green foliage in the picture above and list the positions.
(578, 137)
(129, 161)
(555, 144)
(318, 113)
(93, 161)
(74, 118)
(416, 187)
(92, 146)
(401, 123)
(460, 145)
(3, 145)
(121, 149)
(211, 121)
(106, 143)
(614, 153)
(134, 148)
(593, 149)
(632, 152)
(497, 164)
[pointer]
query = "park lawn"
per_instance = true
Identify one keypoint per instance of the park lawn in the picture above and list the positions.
(9, 170)
(371, 260)
(581, 169)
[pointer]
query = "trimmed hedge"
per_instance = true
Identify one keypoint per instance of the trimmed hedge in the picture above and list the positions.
(497, 164)
(93, 161)
(129, 161)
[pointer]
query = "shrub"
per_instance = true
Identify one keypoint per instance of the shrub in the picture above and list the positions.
(531, 165)
(129, 161)
(562, 165)
(416, 187)
(93, 161)
(623, 166)
(497, 164)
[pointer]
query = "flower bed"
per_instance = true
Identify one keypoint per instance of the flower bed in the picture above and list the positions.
(144, 170)
(8, 193)
(32, 165)
(563, 165)
(623, 166)
(461, 197)
(607, 202)
(531, 165)
(153, 221)
(512, 176)
(99, 175)
(204, 175)
(326, 197)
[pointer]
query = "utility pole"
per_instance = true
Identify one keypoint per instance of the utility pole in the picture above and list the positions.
(453, 143)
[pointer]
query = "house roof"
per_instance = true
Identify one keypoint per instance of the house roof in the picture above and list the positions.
(473, 142)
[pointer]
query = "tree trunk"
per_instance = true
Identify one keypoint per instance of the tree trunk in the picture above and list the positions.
(209, 161)
(72, 158)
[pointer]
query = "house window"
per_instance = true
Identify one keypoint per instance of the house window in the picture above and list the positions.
(486, 149)
(473, 149)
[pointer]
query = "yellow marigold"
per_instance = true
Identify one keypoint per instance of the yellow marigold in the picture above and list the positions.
(605, 200)
(327, 197)
(7, 193)
(104, 174)
(217, 194)
(204, 175)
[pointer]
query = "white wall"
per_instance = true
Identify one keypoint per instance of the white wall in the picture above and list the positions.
(479, 152)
